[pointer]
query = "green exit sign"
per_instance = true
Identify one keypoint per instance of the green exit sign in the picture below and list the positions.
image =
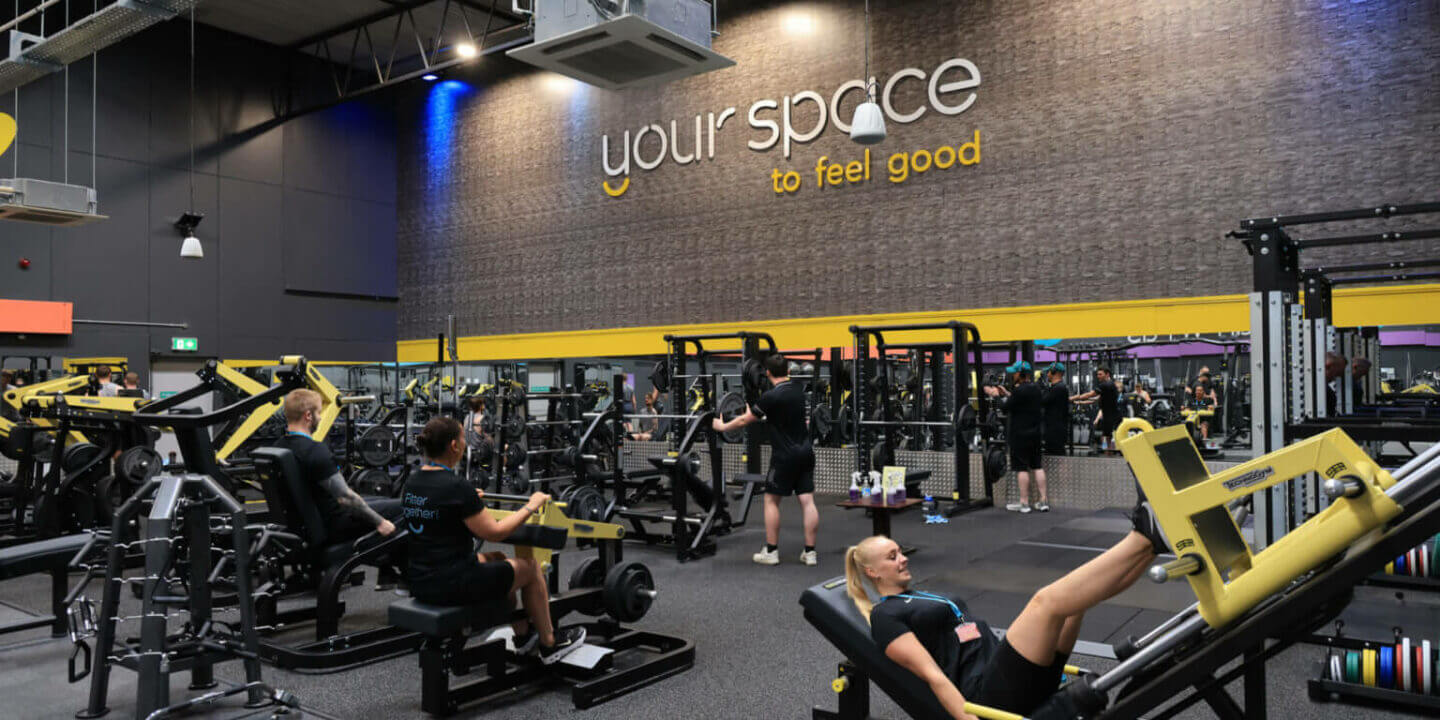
(184, 344)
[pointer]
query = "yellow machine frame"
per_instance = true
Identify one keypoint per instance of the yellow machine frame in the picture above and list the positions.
(553, 515)
(1190, 504)
(329, 402)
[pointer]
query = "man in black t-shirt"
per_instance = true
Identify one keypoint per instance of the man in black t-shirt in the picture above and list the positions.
(1023, 406)
(792, 457)
(347, 516)
(1108, 397)
(1056, 403)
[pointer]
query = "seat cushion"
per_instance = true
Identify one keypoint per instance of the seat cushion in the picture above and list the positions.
(445, 620)
(40, 556)
(830, 610)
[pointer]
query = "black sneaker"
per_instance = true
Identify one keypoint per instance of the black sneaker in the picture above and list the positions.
(1142, 519)
(567, 640)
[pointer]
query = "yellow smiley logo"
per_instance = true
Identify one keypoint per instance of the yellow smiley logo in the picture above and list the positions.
(616, 193)
(7, 132)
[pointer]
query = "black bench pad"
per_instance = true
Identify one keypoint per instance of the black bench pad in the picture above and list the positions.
(831, 611)
(40, 556)
(445, 620)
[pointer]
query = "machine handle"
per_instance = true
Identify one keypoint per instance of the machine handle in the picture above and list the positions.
(1188, 564)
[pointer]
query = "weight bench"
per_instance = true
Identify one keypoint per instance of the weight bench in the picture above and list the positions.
(590, 670)
(50, 556)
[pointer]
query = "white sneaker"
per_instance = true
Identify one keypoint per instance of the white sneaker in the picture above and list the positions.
(767, 557)
(1018, 507)
(808, 557)
(1042, 506)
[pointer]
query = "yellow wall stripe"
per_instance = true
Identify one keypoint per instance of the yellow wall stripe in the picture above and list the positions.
(1394, 305)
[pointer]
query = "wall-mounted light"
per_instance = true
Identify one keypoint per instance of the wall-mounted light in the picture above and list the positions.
(798, 22)
(466, 50)
(191, 247)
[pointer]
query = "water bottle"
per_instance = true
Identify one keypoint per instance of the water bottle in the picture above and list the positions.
(900, 493)
(855, 487)
(865, 493)
(928, 510)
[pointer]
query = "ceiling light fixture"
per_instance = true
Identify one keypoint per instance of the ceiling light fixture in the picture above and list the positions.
(429, 77)
(868, 125)
(191, 247)
(466, 50)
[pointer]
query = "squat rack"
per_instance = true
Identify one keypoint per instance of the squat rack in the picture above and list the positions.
(1288, 342)
(964, 343)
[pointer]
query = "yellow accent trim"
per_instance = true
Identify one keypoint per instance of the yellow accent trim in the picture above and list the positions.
(1385, 305)
(272, 363)
(71, 365)
(8, 130)
(616, 193)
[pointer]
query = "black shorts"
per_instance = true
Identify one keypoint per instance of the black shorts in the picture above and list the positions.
(1025, 455)
(1016, 685)
(1106, 428)
(467, 583)
(796, 478)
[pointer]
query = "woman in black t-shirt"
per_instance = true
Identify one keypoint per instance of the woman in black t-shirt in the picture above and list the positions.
(955, 653)
(444, 515)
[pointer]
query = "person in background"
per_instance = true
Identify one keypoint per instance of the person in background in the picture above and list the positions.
(1024, 405)
(104, 386)
(1359, 378)
(132, 386)
(1200, 401)
(1108, 397)
(1334, 368)
(1056, 405)
(475, 434)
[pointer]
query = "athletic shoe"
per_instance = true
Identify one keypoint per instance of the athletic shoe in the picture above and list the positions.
(567, 640)
(767, 557)
(808, 557)
(1042, 506)
(1142, 519)
(1018, 507)
(526, 644)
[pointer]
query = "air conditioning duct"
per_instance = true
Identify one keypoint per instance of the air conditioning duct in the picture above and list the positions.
(618, 44)
(47, 203)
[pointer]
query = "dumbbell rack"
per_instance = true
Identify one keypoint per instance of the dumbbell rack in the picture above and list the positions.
(1415, 570)
(1360, 672)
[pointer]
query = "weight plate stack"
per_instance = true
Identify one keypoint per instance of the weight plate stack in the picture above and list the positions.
(1385, 668)
(1336, 672)
(732, 405)
(627, 591)
(1428, 681)
(1406, 677)
(1352, 666)
(1368, 671)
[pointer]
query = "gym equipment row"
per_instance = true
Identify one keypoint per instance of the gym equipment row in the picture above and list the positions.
(1284, 590)
(878, 421)
(1401, 675)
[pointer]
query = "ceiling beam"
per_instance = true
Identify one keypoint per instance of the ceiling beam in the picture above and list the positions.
(396, 7)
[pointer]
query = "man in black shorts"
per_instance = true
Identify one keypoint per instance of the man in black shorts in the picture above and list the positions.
(792, 458)
(347, 516)
(1108, 397)
(1057, 410)
(1023, 405)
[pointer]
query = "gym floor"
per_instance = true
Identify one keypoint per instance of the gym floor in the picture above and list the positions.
(756, 656)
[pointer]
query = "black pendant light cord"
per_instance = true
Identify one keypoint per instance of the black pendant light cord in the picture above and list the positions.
(192, 109)
(869, 86)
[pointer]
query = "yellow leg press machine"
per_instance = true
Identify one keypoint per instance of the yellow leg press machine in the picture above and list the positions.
(1250, 604)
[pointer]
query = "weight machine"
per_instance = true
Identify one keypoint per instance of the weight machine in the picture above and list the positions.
(1289, 342)
(872, 409)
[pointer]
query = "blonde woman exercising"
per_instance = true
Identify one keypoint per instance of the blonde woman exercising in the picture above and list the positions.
(937, 638)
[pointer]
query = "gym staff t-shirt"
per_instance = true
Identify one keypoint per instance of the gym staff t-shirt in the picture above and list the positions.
(1024, 406)
(936, 627)
(1057, 413)
(783, 410)
(435, 504)
(1109, 404)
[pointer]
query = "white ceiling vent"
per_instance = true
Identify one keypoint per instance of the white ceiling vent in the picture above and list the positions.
(48, 203)
(625, 43)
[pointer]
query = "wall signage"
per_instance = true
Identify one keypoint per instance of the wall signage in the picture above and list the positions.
(950, 89)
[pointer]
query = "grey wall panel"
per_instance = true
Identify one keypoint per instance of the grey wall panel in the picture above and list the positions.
(183, 289)
(315, 151)
(128, 266)
(1119, 143)
(104, 268)
(251, 286)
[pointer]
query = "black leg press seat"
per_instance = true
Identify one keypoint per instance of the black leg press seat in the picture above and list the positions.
(52, 556)
(830, 610)
(446, 630)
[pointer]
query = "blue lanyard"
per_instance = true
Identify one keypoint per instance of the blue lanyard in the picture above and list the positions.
(443, 465)
(920, 595)
(301, 434)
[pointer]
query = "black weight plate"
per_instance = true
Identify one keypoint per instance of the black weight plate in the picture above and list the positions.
(590, 573)
(820, 425)
(995, 464)
(110, 493)
(487, 423)
(373, 481)
(514, 426)
(660, 376)
(880, 456)
(732, 405)
(623, 599)
(844, 381)
(587, 504)
(846, 425)
(753, 379)
(517, 481)
(138, 464)
(77, 456)
(377, 446)
(514, 456)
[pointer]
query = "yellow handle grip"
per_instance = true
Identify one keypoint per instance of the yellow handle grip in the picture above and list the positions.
(840, 684)
(292, 359)
(989, 713)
